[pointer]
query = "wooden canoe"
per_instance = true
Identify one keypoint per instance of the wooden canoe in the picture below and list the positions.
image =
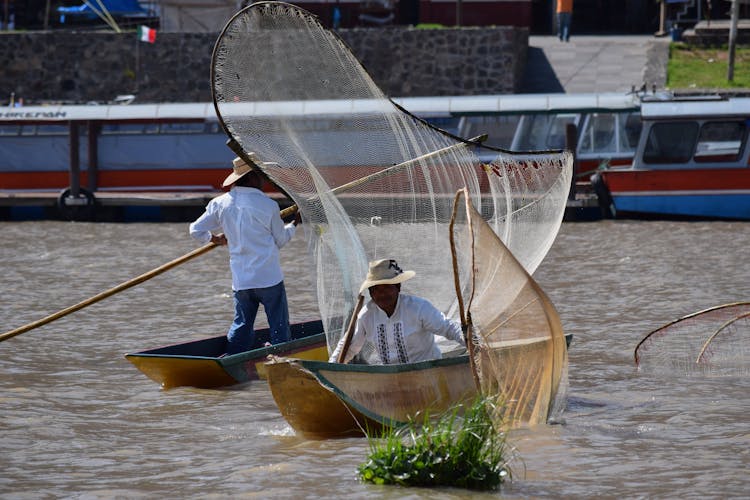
(325, 400)
(322, 400)
(198, 363)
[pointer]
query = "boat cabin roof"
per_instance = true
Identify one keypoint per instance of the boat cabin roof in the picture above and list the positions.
(62, 112)
(426, 107)
(695, 108)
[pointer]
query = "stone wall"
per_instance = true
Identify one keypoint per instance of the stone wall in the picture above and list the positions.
(716, 33)
(96, 66)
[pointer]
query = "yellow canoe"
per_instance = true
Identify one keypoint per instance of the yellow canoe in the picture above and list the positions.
(199, 363)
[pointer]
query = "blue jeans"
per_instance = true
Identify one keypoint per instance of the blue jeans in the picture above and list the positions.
(241, 335)
(563, 28)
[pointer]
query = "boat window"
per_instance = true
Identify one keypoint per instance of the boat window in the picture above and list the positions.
(54, 129)
(556, 136)
(182, 128)
(531, 132)
(151, 128)
(598, 134)
(720, 141)
(670, 142)
(630, 132)
(447, 123)
(28, 129)
(9, 129)
(499, 128)
(122, 128)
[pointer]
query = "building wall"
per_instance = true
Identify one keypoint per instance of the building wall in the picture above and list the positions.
(363, 13)
(96, 66)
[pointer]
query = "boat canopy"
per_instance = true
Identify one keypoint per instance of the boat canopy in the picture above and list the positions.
(519, 104)
(119, 7)
(425, 107)
(203, 110)
(695, 108)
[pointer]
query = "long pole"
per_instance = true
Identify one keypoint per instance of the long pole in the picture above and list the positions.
(732, 41)
(111, 291)
(350, 330)
(46, 15)
(662, 18)
(210, 246)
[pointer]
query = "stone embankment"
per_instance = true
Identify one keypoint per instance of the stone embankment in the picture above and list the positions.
(64, 66)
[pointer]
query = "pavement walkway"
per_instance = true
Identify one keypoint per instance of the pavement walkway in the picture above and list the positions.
(590, 63)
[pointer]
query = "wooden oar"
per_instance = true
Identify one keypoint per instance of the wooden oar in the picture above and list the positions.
(210, 246)
(111, 291)
(124, 286)
(350, 331)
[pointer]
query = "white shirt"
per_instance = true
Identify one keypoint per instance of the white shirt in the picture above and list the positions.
(407, 336)
(255, 232)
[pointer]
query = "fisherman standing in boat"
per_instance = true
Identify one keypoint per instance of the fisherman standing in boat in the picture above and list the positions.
(248, 221)
(394, 327)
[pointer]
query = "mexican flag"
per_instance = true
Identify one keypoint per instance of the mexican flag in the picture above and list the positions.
(146, 34)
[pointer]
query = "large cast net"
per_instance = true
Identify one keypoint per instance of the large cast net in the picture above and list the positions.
(517, 347)
(713, 342)
(371, 180)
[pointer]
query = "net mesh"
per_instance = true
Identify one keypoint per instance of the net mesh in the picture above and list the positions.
(370, 180)
(711, 342)
(518, 348)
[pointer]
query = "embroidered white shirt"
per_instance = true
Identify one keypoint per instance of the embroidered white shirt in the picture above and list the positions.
(255, 232)
(407, 336)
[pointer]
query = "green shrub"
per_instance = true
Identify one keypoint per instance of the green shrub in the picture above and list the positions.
(465, 451)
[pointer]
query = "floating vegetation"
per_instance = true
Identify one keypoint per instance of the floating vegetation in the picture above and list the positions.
(465, 451)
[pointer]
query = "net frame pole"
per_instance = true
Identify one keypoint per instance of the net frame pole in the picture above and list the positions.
(383, 173)
(724, 326)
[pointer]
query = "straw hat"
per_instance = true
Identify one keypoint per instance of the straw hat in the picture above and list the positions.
(385, 272)
(240, 168)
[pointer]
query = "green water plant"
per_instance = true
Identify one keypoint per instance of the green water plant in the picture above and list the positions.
(462, 448)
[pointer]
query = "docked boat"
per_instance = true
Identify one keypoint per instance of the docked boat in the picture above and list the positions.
(691, 162)
(110, 148)
(200, 363)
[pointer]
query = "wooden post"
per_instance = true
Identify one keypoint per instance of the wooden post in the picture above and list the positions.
(571, 144)
(732, 41)
(75, 164)
(46, 15)
(662, 18)
(93, 156)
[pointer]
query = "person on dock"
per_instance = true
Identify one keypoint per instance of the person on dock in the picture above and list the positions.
(394, 327)
(248, 221)
(564, 15)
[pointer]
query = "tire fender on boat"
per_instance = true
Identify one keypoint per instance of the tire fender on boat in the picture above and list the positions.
(606, 204)
(79, 207)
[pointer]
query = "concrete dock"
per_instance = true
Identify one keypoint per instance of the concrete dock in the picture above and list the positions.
(107, 206)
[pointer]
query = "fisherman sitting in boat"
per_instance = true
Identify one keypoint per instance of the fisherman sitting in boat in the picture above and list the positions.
(254, 231)
(394, 327)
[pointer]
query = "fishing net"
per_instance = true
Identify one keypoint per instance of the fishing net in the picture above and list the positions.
(714, 342)
(370, 180)
(517, 347)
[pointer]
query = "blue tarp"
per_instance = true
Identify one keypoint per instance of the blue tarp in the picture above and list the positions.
(119, 7)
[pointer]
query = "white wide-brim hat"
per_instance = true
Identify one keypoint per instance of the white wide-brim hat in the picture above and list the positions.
(240, 168)
(385, 272)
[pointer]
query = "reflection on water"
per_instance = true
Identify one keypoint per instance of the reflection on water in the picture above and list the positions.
(79, 421)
